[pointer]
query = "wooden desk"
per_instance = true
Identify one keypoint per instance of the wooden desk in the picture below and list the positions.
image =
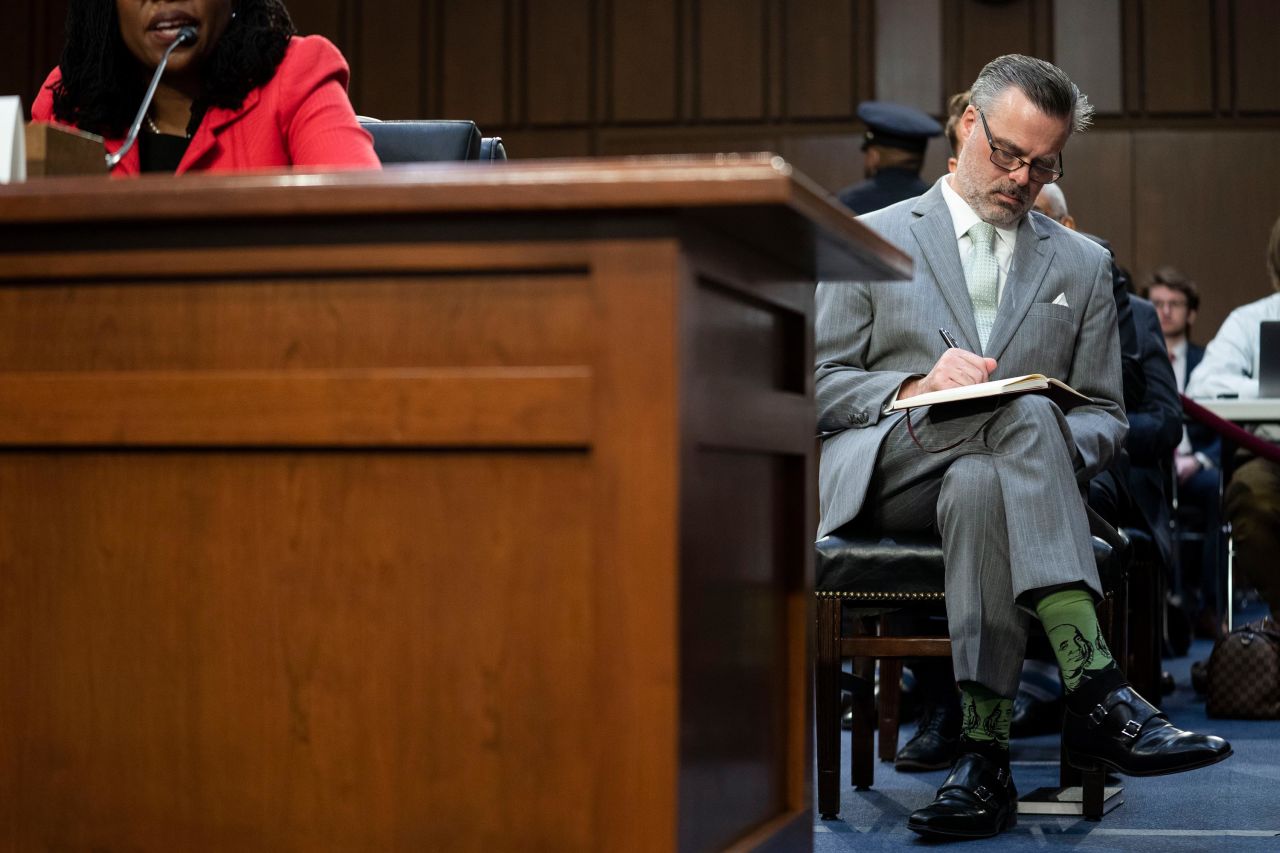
(459, 508)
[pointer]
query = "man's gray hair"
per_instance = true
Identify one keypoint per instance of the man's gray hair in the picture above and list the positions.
(1045, 85)
(1055, 200)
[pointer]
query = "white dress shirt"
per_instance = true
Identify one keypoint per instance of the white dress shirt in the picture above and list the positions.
(1178, 357)
(1230, 363)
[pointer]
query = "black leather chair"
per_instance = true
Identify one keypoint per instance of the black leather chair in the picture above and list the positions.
(492, 149)
(879, 576)
(425, 141)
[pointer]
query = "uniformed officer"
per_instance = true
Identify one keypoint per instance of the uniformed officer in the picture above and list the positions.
(894, 149)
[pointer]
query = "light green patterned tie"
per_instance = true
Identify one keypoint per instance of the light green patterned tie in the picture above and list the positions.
(983, 276)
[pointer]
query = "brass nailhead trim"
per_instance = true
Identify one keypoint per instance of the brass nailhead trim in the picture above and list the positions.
(882, 596)
(896, 596)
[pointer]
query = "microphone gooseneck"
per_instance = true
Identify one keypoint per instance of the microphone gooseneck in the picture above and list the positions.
(186, 35)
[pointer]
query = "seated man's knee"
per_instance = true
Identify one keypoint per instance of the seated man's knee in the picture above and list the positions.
(1034, 408)
(968, 479)
(1031, 422)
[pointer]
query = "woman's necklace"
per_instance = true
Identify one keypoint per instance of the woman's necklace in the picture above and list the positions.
(151, 126)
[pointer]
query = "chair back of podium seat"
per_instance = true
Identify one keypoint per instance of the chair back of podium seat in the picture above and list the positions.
(492, 149)
(424, 141)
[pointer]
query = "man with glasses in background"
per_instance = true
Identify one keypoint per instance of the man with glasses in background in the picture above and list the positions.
(998, 478)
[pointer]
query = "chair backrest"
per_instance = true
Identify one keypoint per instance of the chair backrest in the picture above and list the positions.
(423, 141)
(491, 148)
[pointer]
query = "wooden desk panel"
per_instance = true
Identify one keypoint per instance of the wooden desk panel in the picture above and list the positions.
(297, 651)
(452, 510)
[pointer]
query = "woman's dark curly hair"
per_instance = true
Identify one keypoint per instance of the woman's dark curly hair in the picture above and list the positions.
(101, 83)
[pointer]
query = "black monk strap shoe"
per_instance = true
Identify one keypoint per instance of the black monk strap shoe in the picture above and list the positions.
(936, 740)
(1125, 733)
(978, 800)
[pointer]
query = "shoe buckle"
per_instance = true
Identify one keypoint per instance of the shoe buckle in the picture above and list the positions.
(982, 793)
(1098, 715)
(1131, 729)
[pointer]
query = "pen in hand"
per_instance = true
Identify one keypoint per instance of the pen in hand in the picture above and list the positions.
(951, 370)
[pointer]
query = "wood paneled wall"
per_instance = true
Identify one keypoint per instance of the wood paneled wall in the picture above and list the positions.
(606, 77)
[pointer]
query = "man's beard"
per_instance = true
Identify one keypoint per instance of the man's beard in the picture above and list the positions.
(1000, 212)
(985, 203)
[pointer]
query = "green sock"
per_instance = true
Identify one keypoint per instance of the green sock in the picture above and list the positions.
(986, 715)
(1071, 621)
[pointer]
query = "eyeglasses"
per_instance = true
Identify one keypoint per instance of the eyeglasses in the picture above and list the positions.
(1012, 163)
(1161, 304)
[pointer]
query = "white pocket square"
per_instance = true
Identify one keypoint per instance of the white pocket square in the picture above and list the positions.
(1061, 300)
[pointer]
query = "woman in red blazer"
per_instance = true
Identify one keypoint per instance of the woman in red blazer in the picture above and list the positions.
(248, 94)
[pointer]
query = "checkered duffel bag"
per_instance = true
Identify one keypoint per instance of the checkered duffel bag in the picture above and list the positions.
(1244, 673)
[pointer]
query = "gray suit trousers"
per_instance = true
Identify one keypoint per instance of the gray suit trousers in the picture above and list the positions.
(1006, 502)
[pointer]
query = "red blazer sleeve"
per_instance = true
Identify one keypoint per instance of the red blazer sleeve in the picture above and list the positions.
(316, 116)
(42, 106)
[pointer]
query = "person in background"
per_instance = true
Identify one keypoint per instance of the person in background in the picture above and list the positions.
(956, 105)
(1252, 500)
(247, 94)
(894, 147)
(1139, 497)
(1177, 299)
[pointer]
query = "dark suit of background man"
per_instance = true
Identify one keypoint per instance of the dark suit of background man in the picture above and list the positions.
(1177, 299)
(999, 480)
(1132, 492)
(894, 154)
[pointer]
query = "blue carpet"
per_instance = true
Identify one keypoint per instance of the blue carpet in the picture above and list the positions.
(1233, 805)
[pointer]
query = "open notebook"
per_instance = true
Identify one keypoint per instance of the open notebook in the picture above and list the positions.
(1060, 392)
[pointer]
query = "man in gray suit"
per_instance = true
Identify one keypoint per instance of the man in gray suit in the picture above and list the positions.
(1000, 480)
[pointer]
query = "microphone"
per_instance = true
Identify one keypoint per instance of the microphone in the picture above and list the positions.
(186, 35)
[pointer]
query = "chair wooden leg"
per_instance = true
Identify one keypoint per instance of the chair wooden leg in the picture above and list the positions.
(890, 706)
(861, 755)
(827, 706)
(890, 701)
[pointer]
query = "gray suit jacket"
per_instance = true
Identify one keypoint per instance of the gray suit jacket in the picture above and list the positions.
(872, 337)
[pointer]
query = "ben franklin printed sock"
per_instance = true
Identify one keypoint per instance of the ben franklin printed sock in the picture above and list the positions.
(1071, 621)
(985, 720)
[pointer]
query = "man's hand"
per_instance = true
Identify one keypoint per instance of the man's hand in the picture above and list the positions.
(956, 368)
(1187, 466)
